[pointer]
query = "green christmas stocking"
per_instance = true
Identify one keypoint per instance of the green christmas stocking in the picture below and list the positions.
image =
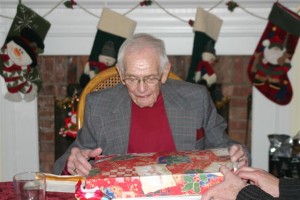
(207, 27)
(271, 60)
(113, 29)
(18, 58)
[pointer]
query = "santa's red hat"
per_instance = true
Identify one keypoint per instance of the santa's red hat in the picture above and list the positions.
(275, 41)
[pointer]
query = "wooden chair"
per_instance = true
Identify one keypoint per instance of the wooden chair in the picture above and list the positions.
(105, 79)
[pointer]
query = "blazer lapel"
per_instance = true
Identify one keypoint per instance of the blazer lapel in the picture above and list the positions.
(118, 124)
(181, 118)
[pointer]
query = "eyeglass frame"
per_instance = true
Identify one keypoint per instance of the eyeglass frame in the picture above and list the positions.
(139, 80)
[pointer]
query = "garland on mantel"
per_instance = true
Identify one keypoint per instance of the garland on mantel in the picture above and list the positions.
(231, 6)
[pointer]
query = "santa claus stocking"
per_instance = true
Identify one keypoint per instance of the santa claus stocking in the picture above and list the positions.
(271, 61)
(113, 29)
(207, 27)
(18, 58)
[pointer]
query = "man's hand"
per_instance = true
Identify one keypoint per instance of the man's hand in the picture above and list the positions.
(237, 154)
(228, 189)
(78, 160)
(260, 178)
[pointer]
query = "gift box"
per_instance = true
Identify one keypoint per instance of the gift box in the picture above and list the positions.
(157, 174)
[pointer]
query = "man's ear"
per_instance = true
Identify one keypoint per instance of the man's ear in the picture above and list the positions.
(165, 73)
(120, 74)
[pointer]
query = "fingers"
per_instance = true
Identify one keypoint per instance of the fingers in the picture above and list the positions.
(95, 152)
(78, 160)
(81, 163)
(224, 170)
(246, 169)
(207, 195)
(250, 174)
(237, 154)
(210, 193)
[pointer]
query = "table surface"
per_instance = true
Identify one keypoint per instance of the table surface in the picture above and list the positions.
(7, 193)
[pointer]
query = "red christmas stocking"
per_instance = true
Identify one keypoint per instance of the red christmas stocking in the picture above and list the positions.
(271, 61)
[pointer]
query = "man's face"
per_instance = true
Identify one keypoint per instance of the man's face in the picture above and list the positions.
(141, 65)
(17, 54)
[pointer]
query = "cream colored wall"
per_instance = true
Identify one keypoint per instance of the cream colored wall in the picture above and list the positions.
(295, 103)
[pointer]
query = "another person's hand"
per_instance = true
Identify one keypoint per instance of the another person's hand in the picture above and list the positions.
(237, 154)
(260, 178)
(78, 160)
(228, 189)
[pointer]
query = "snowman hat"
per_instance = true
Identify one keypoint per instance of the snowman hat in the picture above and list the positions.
(209, 48)
(109, 49)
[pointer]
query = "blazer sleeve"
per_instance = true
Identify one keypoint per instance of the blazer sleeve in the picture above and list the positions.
(252, 192)
(289, 188)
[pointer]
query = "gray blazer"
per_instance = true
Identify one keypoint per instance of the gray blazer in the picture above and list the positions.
(189, 108)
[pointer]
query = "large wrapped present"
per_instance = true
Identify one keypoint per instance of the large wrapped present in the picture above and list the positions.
(158, 174)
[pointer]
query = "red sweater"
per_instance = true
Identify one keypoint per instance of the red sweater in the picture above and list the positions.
(150, 130)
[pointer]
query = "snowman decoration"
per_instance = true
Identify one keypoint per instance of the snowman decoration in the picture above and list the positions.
(204, 72)
(17, 66)
(106, 59)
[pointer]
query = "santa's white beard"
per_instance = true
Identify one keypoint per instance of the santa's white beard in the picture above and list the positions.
(272, 55)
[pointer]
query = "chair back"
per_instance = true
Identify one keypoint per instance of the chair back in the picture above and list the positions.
(105, 79)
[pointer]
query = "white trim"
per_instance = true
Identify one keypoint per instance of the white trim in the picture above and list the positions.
(19, 135)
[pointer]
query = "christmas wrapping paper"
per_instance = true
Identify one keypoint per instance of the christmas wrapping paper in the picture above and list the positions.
(157, 174)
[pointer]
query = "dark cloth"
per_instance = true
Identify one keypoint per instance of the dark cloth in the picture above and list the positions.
(289, 189)
(252, 192)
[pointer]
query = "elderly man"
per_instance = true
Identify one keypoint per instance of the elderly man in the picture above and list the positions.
(147, 113)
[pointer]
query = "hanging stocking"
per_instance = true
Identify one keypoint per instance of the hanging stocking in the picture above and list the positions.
(113, 29)
(271, 61)
(18, 59)
(207, 27)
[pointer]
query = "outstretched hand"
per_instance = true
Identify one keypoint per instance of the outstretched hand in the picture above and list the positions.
(260, 178)
(78, 160)
(228, 189)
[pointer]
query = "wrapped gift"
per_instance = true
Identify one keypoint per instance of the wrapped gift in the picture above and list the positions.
(158, 174)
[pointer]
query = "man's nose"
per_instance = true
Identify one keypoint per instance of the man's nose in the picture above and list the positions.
(142, 86)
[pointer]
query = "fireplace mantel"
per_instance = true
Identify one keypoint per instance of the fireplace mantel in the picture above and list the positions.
(75, 29)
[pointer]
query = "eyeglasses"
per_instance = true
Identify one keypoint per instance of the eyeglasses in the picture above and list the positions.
(134, 81)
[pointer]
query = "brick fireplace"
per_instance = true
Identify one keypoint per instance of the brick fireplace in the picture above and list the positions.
(59, 71)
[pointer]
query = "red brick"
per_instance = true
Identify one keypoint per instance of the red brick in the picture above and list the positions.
(238, 136)
(238, 113)
(241, 91)
(237, 125)
(238, 102)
